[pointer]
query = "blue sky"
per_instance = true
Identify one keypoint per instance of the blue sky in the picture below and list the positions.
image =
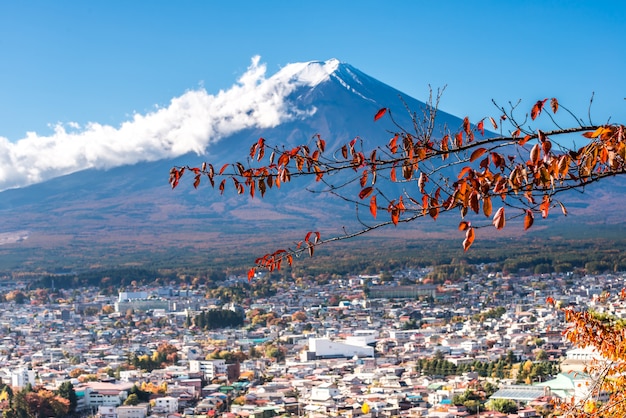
(105, 61)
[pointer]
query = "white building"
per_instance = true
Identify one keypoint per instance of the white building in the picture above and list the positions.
(166, 404)
(92, 395)
(125, 296)
(137, 411)
(210, 368)
(327, 348)
(22, 376)
(107, 412)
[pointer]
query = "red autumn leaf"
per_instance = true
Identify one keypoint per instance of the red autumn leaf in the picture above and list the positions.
(469, 239)
(464, 225)
(393, 144)
(251, 273)
(554, 104)
(363, 179)
(466, 125)
(487, 206)
(373, 206)
(481, 127)
(493, 122)
(395, 216)
(535, 154)
(477, 154)
(464, 171)
(458, 139)
(524, 140)
(380, 113)
(528, 219)
(499, 219)
(537, 108)
(196, 182)
(550, 300)
(223, 168)
(545, 206)
(366, 192)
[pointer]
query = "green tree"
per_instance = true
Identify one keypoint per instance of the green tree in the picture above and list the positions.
(505, 406)
(66, 390)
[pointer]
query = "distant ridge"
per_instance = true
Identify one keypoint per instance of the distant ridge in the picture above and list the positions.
(114, 214)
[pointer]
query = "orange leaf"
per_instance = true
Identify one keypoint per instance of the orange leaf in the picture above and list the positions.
(196, 182)
(251, 273)
(395, 216)
(366, 192)
(499, 219)
(473, 201)
(464, 171)
(524, 140)
(373, 206)
(537, 108)
(380, 113)
(481, 127)
(393, 144)
(477, 153)
(487, 206)
(464, 225)
(458, 138)
(554, 104)
(528, 219)
(545, 206)
(550, 300)
(493, 122)
(466, 125)
(223, 168)
(321, 144)
(469, 239)
(535, 154)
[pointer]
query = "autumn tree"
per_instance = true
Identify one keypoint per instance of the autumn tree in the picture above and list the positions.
(66, 391)
(521, 171)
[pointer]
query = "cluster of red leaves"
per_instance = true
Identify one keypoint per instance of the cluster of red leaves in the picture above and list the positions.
(496, 175)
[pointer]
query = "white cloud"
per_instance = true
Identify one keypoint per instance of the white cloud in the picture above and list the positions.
(190, 123)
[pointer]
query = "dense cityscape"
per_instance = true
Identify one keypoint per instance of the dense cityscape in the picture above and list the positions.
(372, 345)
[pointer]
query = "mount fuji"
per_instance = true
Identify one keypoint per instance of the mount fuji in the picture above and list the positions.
(107, 200)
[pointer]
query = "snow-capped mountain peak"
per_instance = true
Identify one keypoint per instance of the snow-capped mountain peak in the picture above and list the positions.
(307, 73)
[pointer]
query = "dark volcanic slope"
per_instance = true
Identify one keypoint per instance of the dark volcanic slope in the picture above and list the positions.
(120, 214)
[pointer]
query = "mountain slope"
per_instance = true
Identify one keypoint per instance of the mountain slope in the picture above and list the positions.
(119, 215)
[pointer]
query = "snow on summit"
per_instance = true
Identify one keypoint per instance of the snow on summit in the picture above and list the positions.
(189, 123)
(308, 73)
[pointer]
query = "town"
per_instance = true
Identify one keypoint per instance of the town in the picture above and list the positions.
(486, 345)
